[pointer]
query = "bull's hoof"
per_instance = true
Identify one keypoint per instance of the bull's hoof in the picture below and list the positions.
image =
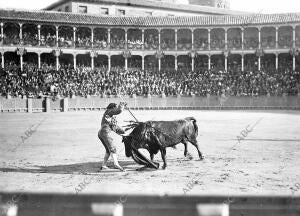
(201, 158)
(141, 168)
(164, 167)
(103, 168)
(189, 156)
(146, 167)
(119, 168)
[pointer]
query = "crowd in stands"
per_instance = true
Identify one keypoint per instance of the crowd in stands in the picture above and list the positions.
(267, 42)
(48, 40)
(117, 42)
(235, 42)
(168, 43)
(151, 42)
(11, 38)
(83, 41)
(201, 43)
(65, 41)
(251, 43)
(135, 44)
(83, 81)
(184, 44)
(30, 39)
(217, 42)
(285, 41)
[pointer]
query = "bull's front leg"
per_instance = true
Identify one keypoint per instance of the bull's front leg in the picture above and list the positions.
(151, 156)
(186, 153)
(164, 156)
(195, 143)
(162, 149)
(185, 148)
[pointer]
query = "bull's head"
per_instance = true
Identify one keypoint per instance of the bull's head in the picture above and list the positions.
(127, 142)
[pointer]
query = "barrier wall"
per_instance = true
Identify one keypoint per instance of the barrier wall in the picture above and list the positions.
(132, 205)
(181, 102)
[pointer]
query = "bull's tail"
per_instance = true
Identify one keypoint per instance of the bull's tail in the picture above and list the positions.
(194, 123)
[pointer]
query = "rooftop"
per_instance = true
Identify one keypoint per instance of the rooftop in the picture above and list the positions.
(186, 21)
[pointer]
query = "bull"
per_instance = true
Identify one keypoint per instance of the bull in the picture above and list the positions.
(156, 136)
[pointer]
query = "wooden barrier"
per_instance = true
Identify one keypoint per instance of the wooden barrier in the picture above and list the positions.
(88, 205)
(153, 103)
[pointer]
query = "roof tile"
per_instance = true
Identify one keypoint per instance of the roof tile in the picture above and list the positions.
(83, 19)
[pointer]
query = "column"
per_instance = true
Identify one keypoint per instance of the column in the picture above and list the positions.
(209, 62)
(109, 62)
(57, 62)
(176, 65)
(93, 62)
(93, 54)
(21, 61)
(209, 39)
(259, 61)
(21, 31)
(294, 37)
(39, 59)
(74, 60)
(193, 63)
(143, 62)
(176, 40)
(2, 33)
(108, 37)
(21, 52)
(276, 61)
(276, 37)
(126, 41)
(226, 40)
(242, 61)
(126, 63)
(243, 32)
(159, 38)
(2, 59)
(74, 36)
(259, 37)
(193, 45)
(92, 37)
(57, 53)
(294, 62)
(159, 64)
(39, 34)
(225, 63)
(143, 40)
(56, 27)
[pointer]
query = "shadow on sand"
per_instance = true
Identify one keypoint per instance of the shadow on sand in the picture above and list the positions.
(89, 168)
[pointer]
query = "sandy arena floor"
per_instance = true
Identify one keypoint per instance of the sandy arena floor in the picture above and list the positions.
(62, 150)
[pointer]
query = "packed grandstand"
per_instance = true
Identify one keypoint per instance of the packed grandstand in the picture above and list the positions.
(83, 81)
(66, 55)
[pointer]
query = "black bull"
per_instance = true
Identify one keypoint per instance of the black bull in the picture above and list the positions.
(157, 135)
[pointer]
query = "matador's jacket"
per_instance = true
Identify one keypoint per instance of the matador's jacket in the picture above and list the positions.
(108, 128)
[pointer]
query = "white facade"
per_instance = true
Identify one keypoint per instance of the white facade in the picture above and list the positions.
(151, 8)
(115, 10)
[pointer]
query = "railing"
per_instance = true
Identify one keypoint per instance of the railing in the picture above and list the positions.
(132, 205)
(152, 103)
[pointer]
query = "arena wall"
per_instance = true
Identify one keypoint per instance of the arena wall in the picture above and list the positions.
(135, 205)
(147, 103)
